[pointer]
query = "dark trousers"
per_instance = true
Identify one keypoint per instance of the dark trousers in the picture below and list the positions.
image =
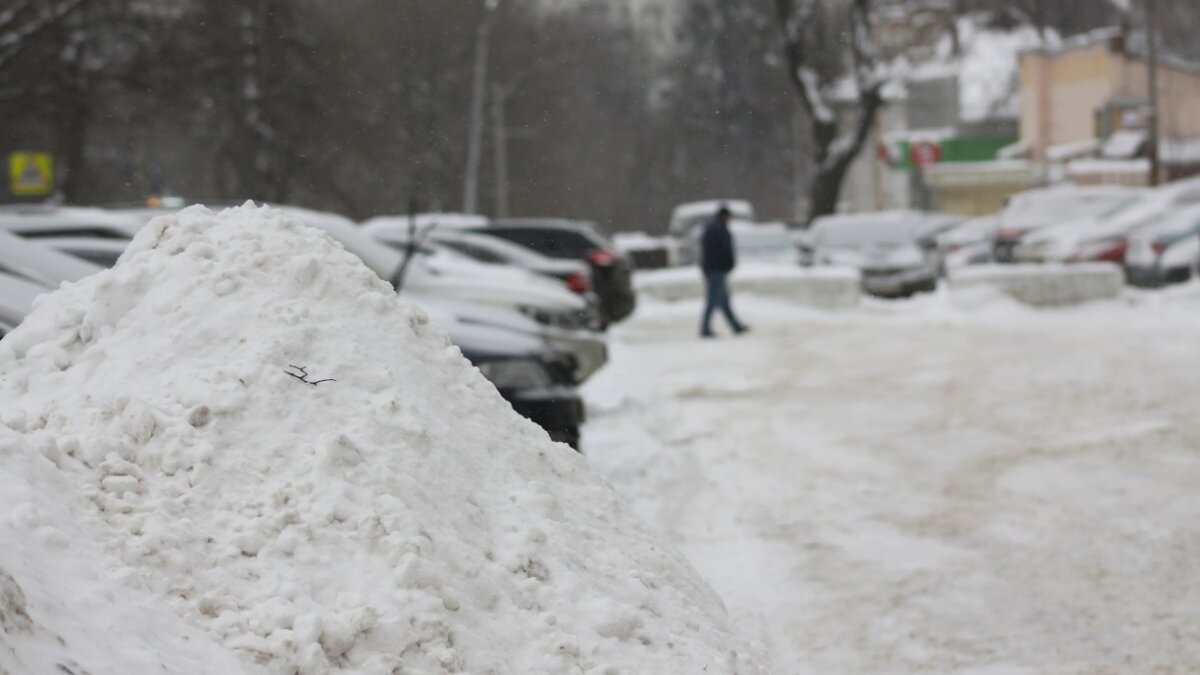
(717, 297)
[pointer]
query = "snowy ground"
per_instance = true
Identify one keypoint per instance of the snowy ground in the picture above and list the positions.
(952, 484)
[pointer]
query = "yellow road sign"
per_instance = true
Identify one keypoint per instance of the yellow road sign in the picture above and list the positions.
(30, 174)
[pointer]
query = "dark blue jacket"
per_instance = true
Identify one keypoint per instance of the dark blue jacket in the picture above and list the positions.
(716, 248)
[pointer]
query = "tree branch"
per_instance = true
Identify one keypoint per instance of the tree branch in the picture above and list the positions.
(13, 43)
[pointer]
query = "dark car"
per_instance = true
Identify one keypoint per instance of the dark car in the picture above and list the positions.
(537, 385)
(611, 273)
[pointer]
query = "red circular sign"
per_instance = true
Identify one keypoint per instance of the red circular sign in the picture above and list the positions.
(925, 154)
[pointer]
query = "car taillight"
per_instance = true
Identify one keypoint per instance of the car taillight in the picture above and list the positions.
(601, 258)
(577, 282)
(1113, 253)
(1158, 247)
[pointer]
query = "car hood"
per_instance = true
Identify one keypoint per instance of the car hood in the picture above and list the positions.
(1058, 242)
(481, 329)
(872, 257)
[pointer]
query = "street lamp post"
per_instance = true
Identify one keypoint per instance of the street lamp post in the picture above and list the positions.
(1152, 65)
(478, 90)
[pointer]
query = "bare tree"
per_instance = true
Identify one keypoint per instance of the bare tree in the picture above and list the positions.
(24, 20)
(835, 143)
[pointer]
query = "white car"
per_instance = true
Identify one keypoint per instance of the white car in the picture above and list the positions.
(885, 247)
(1030, 211)
(439, 271)
(28, 269)
(1166, 251)
(16, 299)
(969, 243)
(688, 216)
(574, 274)
(38, 264)
(37, 221)
(1104, 238)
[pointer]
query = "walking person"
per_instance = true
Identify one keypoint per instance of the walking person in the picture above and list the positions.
(717, 260)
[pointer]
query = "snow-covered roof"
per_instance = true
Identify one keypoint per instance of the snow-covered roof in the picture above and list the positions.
(1109, 167)
(1062, 152)
(1123, 144)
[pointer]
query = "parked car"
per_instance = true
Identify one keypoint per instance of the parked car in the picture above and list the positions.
(98, 250)
(1104, 237)
(968, 243)
(1032, 210)
(574, 274)
(885, 247)
(28, 269)
(686, 217)
(39, 265)
(34, 221)
(611, 273)
(1165, 252)
(16, 299)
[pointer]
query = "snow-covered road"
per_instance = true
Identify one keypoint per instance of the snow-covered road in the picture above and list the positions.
(943, 485)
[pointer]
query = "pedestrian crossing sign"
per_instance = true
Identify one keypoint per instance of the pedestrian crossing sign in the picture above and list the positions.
(30, 174)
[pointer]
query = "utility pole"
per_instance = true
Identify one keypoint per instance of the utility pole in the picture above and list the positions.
(500, 143)
(1152, 64)
(478, 90)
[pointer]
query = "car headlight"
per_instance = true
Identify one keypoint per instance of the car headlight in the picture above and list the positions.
(516, 374)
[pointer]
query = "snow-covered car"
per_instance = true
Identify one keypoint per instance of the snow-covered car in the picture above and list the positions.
(969, 242)
(98, 250)
(688, 216)
(438, 270)
(37, 221)
(1165, 252)
(885, 247)
(16, 299)
(39, 264)
(611, 272)
(484, 249)
(763, 242)
(28, 269)
(1104, 237)
(1032, 210)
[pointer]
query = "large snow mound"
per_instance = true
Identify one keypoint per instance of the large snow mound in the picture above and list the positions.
(174, 497)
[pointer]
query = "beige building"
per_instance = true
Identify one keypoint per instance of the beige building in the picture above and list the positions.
(1076, 97)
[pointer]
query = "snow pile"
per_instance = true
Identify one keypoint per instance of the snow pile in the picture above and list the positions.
(1044, 285)
(238, 451)
(820, 287)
